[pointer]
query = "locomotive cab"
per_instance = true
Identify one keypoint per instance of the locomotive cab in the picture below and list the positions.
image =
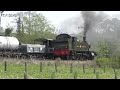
(64, 45)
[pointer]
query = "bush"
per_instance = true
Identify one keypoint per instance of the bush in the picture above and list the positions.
(103, 61)
(108, 61)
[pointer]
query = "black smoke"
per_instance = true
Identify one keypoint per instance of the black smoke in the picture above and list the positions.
(91, 20)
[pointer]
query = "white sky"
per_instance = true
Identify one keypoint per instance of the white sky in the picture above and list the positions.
(54, 17)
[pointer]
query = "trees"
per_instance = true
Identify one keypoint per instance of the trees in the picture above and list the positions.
(108, 53)
(103, 49)
(8, 31)
(34, 26)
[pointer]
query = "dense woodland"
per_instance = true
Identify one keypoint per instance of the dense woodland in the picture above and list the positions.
(104, 39)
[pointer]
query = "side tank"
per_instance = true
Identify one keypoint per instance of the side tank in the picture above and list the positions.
(8, 43)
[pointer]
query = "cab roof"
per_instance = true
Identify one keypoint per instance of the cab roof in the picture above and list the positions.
(70, 35)
(43, 39)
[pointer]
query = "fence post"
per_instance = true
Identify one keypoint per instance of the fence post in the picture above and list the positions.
(75, 75)
(25, 75)
(115, 67)
(83, 68)
(48, 63)
(25, 66)
(97, 75)
(71, 67)
(94, 70)
(55, 67)
(115, 75)
(115, 72)
(65, 63)
(104, 68)
(41, 66)
(53, 75)
(5, 65)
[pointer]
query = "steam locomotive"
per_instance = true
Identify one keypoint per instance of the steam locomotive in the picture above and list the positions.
(69, 47)
(64, 46)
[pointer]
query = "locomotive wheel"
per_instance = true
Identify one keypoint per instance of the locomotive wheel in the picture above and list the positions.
(17, 56)
(84, 58)
(68, 57)
(64, 57)
(74, 57)
(23, 56)
(33, 57)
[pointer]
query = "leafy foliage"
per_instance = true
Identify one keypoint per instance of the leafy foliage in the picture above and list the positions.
(8, 31)
(103, 50)
(34, 27)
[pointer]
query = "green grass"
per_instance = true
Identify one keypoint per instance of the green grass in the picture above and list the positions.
(16, 71)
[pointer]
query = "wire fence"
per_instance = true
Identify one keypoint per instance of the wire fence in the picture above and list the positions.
(60, 69)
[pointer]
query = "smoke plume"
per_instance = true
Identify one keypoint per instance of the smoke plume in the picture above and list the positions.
(91, 20)
(70, 25)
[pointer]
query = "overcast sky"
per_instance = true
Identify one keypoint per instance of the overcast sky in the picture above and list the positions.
(54, 17)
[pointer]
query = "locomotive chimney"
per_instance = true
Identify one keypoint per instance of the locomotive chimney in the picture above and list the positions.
(84, 38)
